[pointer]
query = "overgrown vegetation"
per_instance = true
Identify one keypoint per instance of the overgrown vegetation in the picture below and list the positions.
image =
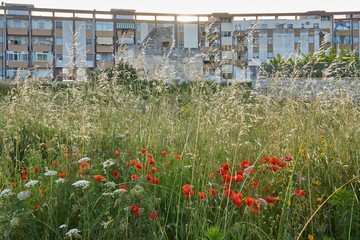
(99, 160)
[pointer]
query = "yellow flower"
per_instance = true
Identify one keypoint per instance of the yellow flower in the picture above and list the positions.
(316, 182)
(311, 237)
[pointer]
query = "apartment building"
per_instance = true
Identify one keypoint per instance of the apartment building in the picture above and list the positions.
(68, 44)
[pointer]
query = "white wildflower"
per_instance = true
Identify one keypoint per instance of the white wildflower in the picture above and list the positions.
(108, 163)
(110, 184)
(84, 159)
(73, 232)
(62, 226)
(23, 195)
(50, 173)
(6, 192)
(60, 180)
(81, 183)
(120, 191)
(31, 183)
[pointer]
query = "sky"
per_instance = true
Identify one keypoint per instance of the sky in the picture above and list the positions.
(201, 6)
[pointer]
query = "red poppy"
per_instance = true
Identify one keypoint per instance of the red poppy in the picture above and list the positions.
(132, 162)
(99, 178)
(274, 167)
(150, 156)
(135, 210)
(202, 195)
(67, 155)
(153, 169)
(23, 178)
(84, 165)
(178, 156)
(37, 207)
(115, 173)
(275, 161)
(187, 190)
(138, 165)
(226, 177)
(153, 215)
(156, 181)
(123, 187)
(151, 161)
(24, 172)
(212, 175)
(288, 158)
(143, 150)
(238, 178)
(249, 201)
(62, 175)
(236, 198)
(245, 164)
(164, 153)
(213, 192)
(55, 163)
(149, 177)
(167, 163)
(117, 153)
(228, 192)
(43, 145)
(299, 193)
(13, 184)
(36, 169)
(269, 199)
(134, 177)
(224, 168)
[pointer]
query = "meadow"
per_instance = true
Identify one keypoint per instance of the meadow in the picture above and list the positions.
(150, 160)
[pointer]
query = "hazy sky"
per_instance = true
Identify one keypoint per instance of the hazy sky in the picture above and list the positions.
(201, 6)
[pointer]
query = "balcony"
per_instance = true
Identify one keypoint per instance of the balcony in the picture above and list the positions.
(42, 32)
(17, 31)
(41, 48)
(18, 64)
(41, 64)
(104, 48)
(102, 64)
(104, 34)
(17, 47)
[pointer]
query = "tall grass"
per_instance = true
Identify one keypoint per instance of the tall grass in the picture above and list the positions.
(293, 145)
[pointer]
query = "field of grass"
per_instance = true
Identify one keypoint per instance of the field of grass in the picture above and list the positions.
(160, 161)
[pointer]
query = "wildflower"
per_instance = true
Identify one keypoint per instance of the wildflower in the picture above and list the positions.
(36, 169)
(132, 162)
(187, 190)
(117, 153)
(108, 163)
(6, 192)
(60, 180)
(115, 173)
(249, 201)
(274, 167)
(236, 198)
(224, 168)
(67, 155)
(13, 184)
(37, 207)
(153, 215)
(23, 178)
(62, 175)
(24, 172)
(84, 165)
(31, 183)
(156, 181)
(73, 233)
(149, 156)
(149, 177)
(178, 156)
(143, 150)
(288, 158)
(167, 163)
(202, 195)
(134, 177)
(269, 199)
(299, 193)
(151, 161)
(43, 145)
(55, 163)
(81, 184)
(212, 175)
(123, 187)
(226, 177)
(62, 226)
(50, 173)
(238, 178)
(84, 159)
(213, 191)
(110, 184)
(311, 237)
(164, 153)
(245, 164)
(153, 169)
(228, 192)
(138, 165)
(23, 195)
(135, 210)
(99, 178)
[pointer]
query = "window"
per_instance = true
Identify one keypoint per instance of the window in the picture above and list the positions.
(1, 56)
(181, 27)
(356, 25)
(104, 26)
(17, 23)
(226, 34)
(325, 18)
(58, 25)
(1, 39)
(255, 40)
(256, 55)
(106, 57)
(42, 41)
(356, 39)
(89, 41)
(302, 25)
(1, 23)
(297, 39)
(225, 20)
(263, 26)
(17, 56)
(59, 57)
(269, 40)
(270, 55)
(89, 57)
(316, 25)
(311, 39)
(237, 27)
(59, 41)
(290, 26)
(41, 56)
(181, 43)
(89, 26)
(226, 47)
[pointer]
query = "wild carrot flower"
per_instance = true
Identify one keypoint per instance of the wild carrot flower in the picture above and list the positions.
(23, 195)
(110, 184)
(6, 192)
(84, 159)
(108, 163)
(81, 184)
(202, 195)
(60, 180)
(50, 173)
(31, 183)
(135, 210)
(99, 178)
(299, 193)
(73, 233)
(187, 190)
